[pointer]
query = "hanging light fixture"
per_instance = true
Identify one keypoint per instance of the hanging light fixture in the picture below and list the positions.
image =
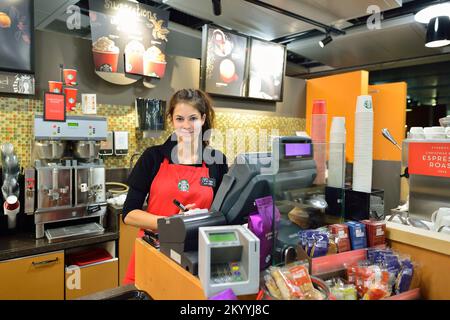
(325, 41)
(438, 32)
(217, 7)
(438, 19)
(437, 10)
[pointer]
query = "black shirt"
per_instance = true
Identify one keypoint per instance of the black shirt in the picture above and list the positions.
(148, 166)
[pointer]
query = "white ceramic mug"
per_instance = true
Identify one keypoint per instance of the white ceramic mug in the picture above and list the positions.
(416, 133)
(434, 133)
(440, 218)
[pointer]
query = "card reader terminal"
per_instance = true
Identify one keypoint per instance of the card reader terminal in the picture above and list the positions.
(228, 258)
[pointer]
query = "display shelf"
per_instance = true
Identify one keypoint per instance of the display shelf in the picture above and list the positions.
(333, 262)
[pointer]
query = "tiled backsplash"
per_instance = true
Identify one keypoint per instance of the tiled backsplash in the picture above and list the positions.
(237, 129)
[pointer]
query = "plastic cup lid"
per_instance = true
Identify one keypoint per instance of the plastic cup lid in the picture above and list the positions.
(11, 199)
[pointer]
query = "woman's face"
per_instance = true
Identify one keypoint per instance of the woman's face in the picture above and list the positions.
(187, 121)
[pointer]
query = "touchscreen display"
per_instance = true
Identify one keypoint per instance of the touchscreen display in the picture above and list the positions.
(297, 149)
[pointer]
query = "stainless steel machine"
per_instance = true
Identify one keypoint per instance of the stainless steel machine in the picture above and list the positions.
(66, 187)
(428, 163)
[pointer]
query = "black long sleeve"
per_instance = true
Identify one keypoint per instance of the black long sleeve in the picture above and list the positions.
(135, 200)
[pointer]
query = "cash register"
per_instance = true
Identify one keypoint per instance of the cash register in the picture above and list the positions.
(290, 165)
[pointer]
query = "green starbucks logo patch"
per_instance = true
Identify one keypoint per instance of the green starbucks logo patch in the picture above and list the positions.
(183, 185)
(367, 105)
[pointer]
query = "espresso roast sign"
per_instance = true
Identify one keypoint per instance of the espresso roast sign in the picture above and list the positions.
(430, 159)
(128, 37)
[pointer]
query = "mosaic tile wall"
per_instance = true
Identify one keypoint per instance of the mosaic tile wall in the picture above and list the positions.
(235, 132)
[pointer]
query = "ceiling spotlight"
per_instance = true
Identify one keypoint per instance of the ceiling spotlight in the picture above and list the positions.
(438, 32)
(325, 40)
(425, 15)
(217, 8)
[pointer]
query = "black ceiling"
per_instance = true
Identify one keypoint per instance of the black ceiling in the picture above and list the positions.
(190, 21)
(428, 84)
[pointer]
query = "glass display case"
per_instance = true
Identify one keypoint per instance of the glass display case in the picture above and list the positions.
(305, 191)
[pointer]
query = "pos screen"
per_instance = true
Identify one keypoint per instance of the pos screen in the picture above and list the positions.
(222, 237)
(297, 150)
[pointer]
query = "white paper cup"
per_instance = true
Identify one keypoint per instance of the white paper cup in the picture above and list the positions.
(11, 208)
(364, 104)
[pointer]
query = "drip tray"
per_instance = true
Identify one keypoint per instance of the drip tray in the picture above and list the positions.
(74, 232)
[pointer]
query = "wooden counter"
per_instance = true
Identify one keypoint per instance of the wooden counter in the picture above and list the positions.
(162, 278)
(431, 251)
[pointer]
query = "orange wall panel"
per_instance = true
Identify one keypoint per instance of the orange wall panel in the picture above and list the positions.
(389, 107)
(340, 92)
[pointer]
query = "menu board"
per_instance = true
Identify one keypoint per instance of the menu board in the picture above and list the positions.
(128, 37)
(223, 62)
(267, 64)
(16, 35)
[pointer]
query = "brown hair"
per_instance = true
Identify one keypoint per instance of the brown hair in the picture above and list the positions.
(199, 100)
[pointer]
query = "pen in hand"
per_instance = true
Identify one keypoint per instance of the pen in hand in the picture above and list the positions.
(179, 205)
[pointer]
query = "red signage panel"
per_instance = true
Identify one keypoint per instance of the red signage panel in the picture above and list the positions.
(431, 159)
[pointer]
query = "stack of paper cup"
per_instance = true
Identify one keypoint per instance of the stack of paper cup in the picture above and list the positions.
(319, 137)
(362, 164)
(336, 162)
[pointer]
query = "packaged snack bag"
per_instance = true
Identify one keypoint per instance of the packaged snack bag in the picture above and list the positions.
(351, 269)
(320, 245)
(272, 287)
(404, 278)
(261, 224)
(292, 280)
(340, 232)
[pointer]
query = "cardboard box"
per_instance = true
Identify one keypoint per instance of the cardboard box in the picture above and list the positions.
(357, 232)
(376, 232)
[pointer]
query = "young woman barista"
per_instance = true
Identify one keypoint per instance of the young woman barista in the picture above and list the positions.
(184, 168)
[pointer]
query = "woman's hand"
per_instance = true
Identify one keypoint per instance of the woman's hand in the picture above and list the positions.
(188, 207)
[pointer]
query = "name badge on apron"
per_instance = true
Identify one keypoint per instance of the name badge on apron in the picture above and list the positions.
(208, 182)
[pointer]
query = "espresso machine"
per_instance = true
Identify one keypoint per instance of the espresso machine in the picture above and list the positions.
(65, 190)
(428, 163)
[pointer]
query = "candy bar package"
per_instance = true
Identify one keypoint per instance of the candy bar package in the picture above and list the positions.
(261, 224)
(357, 232)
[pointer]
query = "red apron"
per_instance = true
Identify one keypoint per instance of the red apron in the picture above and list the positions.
(174, 181)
